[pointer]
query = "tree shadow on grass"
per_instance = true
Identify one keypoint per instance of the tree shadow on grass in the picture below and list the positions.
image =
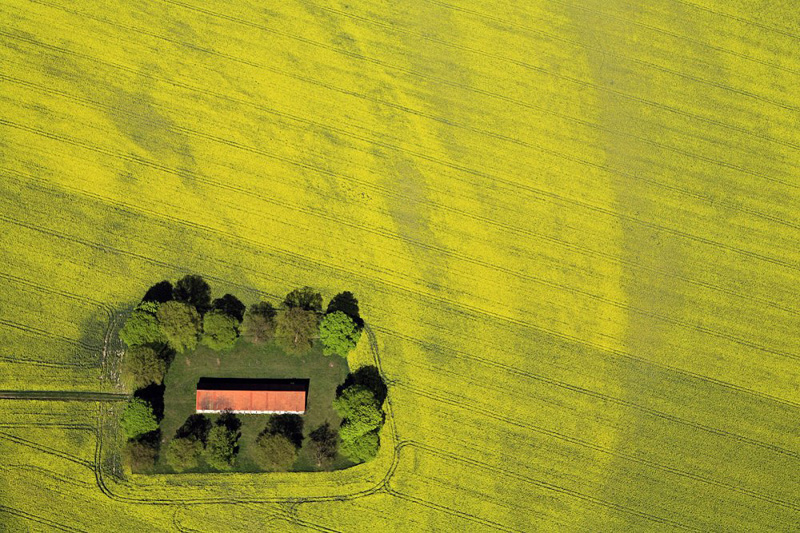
(347, 304)
(160, 292)
(230, 421)
(154, 395)
(290, 426)
(368, 377)
(196, 426)
(230, 305)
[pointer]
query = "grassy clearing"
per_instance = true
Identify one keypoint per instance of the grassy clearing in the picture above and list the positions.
(572, 227)
(253, 361)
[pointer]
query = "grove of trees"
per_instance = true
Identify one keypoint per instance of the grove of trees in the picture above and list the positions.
(176, 319)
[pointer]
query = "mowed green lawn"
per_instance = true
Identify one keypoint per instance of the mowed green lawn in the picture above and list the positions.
(572, 227)
(248, 360)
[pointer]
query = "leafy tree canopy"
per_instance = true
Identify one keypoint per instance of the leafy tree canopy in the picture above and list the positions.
(304, 298)
(259, 323)
(142, 326)
(295, 329)
(221, 447)
(180, 325)
(184, 453)
(274, 451)
(323, 443)
(219, 330)
(338, 333)
(359, 407)
(193, 290)
(160, 292)
(347, 304)
(363, 448)
(143, 366)
(288, 425)
(138, 418)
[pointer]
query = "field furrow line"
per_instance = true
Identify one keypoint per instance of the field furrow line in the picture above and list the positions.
(465, 403)
(499, 136)
(48, 473)
(456, 307)
(50, 290)
(509, 473)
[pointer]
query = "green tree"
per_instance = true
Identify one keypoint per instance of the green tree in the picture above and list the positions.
(138, 418)
(193, 290)
(359, 407)
(304, 298)
(259, 323)
(221, 447)
(362, 448)
(295, 329)
(142, 326)
(274, 451)
(139, 456)
(142, 365)
(180, 325)
(323, 443)
(219, 330)
(184, 453)
(338, 333)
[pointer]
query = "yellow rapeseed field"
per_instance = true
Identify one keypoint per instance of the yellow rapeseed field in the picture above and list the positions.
(572, 228)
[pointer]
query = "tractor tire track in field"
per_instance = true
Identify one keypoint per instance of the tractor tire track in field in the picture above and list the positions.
(64, 396)
(374, 138)
(527, 277)
(450, 400)
(536, 192)
(39, 520)
(577, 81)
(599, 396)
(577, 120)
(465, 309)
(742, 20)
(509, 473)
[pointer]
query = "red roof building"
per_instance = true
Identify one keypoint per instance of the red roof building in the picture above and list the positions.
(251, 396)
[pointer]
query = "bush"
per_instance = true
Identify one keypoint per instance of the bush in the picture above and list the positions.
(274, 451)
(142, 326)
(180, 325)
(143, 366)
(184, 453)
(219, 330)
(138, 418)
(295, 329)
(323, 443)
(259, 323)
(359, 407)
(139, 455)
(193, 290)
(362, 448)
(221, 447)
(305, 298)
(338, 333)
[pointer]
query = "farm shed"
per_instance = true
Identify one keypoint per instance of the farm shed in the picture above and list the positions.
(251, 396)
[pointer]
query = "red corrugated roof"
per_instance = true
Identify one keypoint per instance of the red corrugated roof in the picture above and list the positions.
(252, 400)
